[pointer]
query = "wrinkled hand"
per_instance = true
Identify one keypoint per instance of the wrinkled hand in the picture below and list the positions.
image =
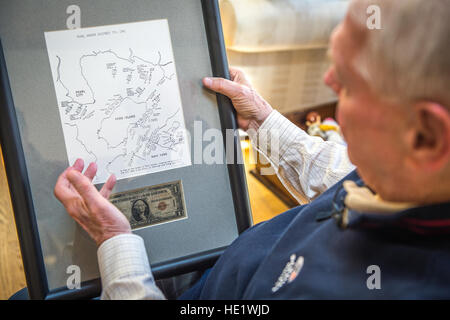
(89, 207)
(251, 108)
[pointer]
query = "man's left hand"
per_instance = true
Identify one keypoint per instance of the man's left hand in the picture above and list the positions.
(88, 206)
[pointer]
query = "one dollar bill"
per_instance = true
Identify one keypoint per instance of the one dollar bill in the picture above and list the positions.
(152, 205)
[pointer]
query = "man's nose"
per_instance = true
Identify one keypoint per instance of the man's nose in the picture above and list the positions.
(330, 80)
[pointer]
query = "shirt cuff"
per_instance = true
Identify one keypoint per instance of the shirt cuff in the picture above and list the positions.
(122, 256)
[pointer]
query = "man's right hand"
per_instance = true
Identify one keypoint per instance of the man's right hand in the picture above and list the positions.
(251, 108)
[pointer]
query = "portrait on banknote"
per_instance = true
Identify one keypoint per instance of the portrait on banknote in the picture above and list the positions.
(152, 205)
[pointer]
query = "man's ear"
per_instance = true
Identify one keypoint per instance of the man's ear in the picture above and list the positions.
(429, 136)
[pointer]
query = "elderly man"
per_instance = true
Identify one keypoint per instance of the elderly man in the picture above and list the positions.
(381, 231)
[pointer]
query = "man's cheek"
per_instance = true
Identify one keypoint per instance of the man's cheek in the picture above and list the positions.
(352, 133)
(343, 109)
(342, 119)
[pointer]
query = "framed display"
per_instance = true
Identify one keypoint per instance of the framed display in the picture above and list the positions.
(119, 83)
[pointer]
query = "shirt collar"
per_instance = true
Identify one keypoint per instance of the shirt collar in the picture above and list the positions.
(356, 206)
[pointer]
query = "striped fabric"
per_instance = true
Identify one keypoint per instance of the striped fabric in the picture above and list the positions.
(306, 165)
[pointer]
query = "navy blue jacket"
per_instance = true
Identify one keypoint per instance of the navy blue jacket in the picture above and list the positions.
(411, 250)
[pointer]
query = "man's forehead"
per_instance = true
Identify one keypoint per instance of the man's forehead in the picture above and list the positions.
(338, 40)
(335, 50)
(345, 43)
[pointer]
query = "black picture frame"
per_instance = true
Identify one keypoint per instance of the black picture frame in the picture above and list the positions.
(19, 185)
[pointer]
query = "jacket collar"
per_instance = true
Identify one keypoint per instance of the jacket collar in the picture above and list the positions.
(354, 206)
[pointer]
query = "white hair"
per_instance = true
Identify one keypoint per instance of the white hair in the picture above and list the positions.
(408, 59)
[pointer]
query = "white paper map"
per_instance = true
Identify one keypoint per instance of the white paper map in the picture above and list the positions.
(119, 99)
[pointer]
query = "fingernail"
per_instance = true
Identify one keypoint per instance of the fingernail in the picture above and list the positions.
(207, 82)
(78, 162)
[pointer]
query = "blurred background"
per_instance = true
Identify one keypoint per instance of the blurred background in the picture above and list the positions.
(282, 46)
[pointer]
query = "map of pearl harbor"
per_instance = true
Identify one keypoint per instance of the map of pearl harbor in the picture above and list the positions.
(118, 98)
